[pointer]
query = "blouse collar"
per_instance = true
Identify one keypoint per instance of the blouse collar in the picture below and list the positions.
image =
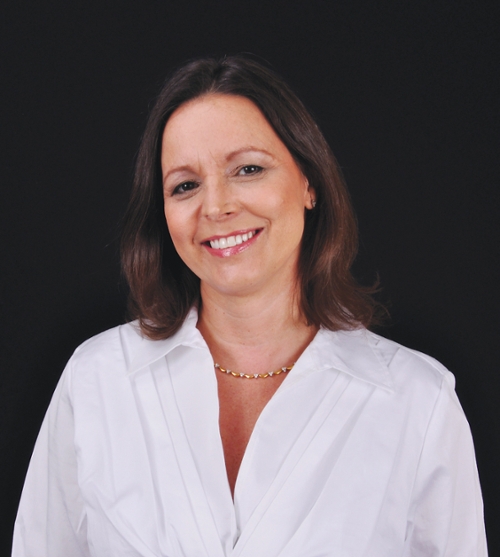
(354, 352)
(150, 351)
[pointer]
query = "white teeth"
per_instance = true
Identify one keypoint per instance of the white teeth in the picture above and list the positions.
(231, 241)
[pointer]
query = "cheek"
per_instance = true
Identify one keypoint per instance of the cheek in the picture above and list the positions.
(177, 226)
(181, 236)
(294, 219)
(292, 206)
(282, 199)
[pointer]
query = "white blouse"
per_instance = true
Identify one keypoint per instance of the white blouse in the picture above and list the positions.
(364, 450)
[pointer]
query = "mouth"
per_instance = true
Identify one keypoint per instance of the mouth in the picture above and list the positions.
(224, 242)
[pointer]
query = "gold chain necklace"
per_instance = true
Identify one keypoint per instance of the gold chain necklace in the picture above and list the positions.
(255, 375)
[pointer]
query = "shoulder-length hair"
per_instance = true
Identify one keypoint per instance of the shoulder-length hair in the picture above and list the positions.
(162, 287)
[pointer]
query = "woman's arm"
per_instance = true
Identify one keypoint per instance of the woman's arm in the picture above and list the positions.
(446, 518)
(51, 519)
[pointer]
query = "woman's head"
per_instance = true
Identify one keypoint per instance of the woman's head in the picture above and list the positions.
(234, 199)
(162, 287)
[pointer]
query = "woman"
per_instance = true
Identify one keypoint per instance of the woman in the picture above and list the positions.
(248, 411)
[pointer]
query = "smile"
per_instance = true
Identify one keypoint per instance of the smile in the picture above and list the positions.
(231, 241)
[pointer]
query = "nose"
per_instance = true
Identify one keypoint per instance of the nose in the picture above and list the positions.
(218, 200)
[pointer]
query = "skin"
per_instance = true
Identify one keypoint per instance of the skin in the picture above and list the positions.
(225, 171)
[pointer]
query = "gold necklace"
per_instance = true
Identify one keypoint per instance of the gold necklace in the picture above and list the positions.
(255, 375)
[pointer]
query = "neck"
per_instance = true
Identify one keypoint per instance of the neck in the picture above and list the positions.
(265, 331)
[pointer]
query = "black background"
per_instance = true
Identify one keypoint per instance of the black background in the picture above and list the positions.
(405, 92)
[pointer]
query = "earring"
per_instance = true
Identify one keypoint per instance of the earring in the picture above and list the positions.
(313, 203)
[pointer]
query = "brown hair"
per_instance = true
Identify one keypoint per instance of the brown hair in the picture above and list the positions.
(162, 287)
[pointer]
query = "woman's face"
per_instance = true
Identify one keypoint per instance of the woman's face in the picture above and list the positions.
(234, 197)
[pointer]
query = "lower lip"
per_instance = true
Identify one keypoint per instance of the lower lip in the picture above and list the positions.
(233, 250)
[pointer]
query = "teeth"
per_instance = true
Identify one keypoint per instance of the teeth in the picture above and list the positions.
(231, 241)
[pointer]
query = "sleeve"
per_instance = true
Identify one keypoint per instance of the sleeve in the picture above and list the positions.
(51, 519)
(446, 516)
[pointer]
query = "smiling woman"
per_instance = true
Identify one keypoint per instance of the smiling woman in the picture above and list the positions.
(163, 288)
(248, 411)
(243, 183)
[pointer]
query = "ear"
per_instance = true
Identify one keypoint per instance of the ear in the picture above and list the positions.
(310, 196)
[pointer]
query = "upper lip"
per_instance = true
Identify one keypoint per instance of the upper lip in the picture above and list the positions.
(234, 233)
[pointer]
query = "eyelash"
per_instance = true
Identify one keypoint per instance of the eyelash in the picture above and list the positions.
(253, 169)
(256, 169)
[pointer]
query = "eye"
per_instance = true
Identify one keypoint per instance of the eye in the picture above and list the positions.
(250, 169)
(184, 187)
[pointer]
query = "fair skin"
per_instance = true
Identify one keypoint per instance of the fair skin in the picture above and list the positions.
(234, 202)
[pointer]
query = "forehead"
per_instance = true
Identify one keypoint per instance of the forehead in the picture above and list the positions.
(218, 123)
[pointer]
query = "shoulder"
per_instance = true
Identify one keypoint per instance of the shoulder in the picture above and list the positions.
(408, 382)
(113, 349)
(124, 350)
(383, 362)
(404, 361)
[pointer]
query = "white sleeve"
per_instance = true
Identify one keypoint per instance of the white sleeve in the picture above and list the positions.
(446, 518)
(51, 519)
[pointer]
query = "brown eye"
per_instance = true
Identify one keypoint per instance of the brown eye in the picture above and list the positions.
(184, 187)
(250, 169)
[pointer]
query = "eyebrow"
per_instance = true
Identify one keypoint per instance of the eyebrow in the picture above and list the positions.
(229, 157)
(247, 150)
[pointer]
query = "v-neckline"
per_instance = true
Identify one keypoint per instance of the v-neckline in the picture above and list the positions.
(237, 422)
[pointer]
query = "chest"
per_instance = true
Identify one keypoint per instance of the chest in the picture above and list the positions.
(241, 401)
(160, 487)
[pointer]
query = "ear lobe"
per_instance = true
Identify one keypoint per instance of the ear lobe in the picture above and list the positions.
(310, 197)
